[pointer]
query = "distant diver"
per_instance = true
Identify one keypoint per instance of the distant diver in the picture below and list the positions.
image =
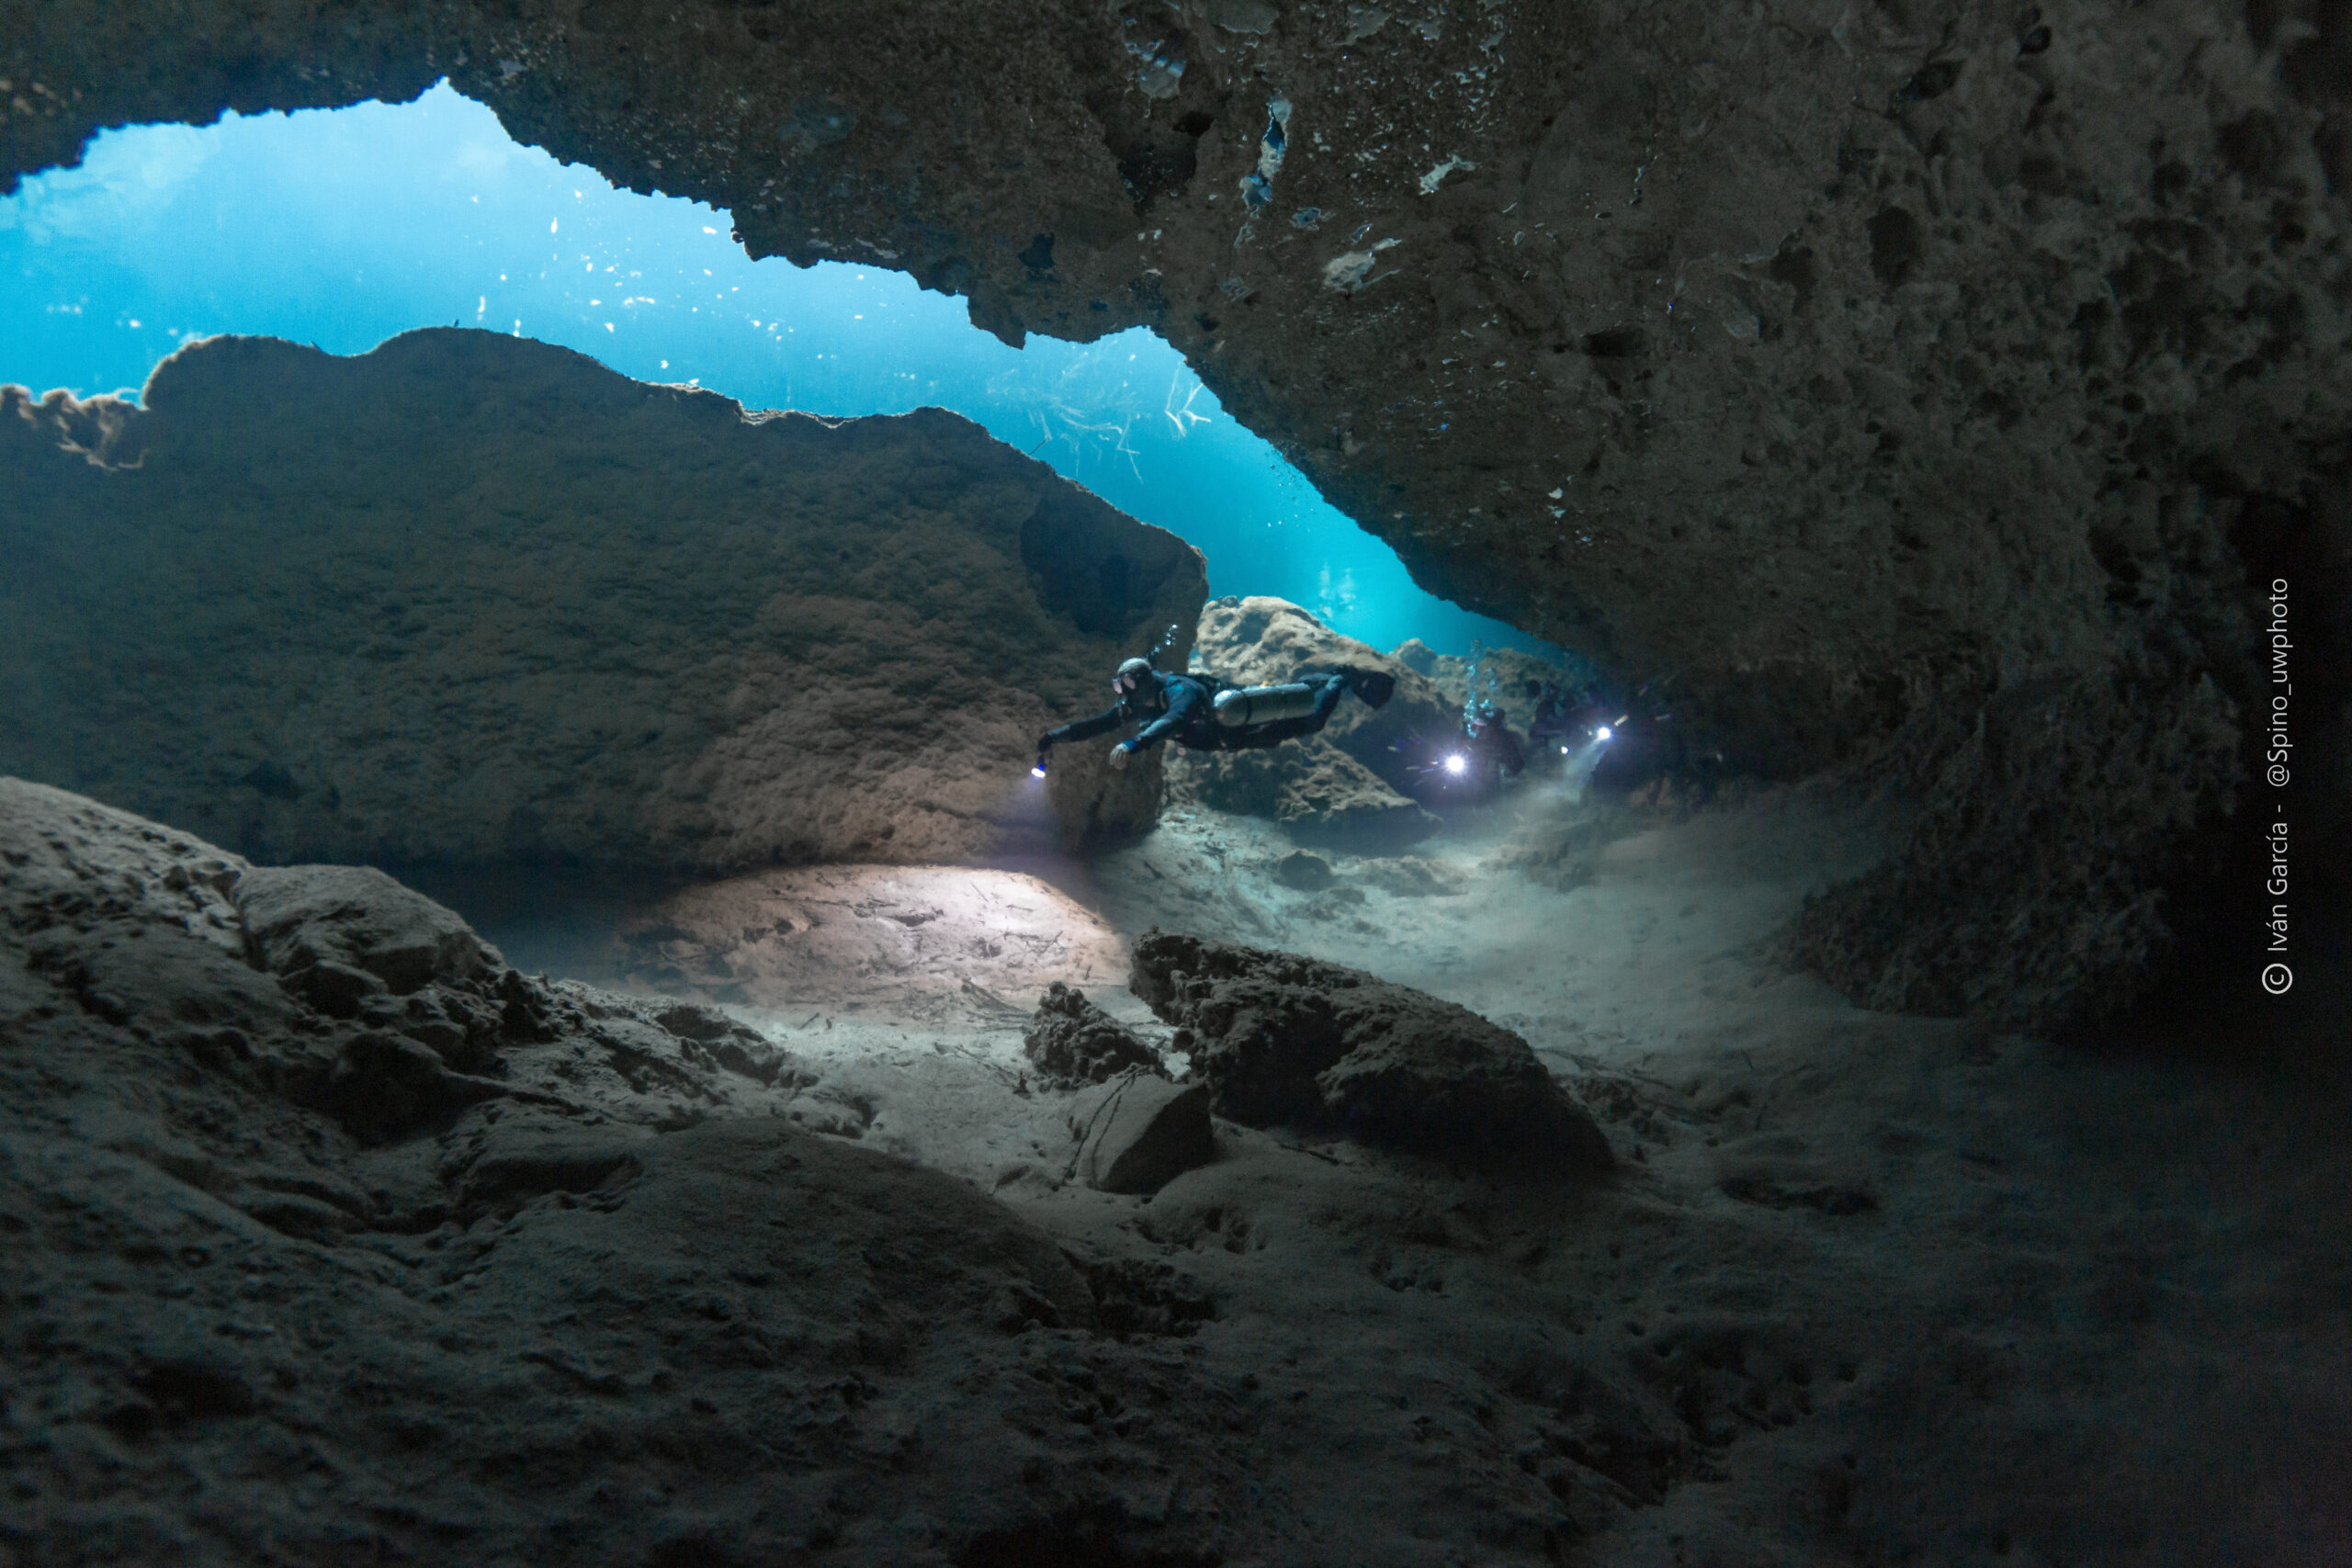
(1555, 721)
(1202, 713)
(1469, 769)
(1567, 718)
(1496, 753)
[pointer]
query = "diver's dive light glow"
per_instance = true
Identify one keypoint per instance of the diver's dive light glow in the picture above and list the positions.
(1038, 771)
(1454, 763)
(1602, 733)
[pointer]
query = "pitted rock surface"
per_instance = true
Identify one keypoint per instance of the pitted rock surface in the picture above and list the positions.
(1073, 1041)
(1282, 1040)
(2039, 814)
(675, 633)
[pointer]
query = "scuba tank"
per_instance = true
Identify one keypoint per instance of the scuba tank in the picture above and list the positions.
(1238, 705)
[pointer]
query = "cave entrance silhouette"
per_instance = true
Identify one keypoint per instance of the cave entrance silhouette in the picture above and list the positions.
(344, 227)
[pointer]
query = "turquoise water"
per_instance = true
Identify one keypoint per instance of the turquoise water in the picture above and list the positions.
(342, 228)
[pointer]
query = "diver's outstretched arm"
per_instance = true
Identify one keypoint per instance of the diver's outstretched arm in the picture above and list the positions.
(1083, 729)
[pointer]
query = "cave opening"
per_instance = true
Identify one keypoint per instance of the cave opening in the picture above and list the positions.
(344, 227)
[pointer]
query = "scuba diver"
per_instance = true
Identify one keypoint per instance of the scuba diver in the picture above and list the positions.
(1553, 728)
(1472, 768)
(1495, 752)
(1204, 713)
(1643, 743)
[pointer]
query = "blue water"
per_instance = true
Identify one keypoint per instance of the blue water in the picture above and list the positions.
(342, 228)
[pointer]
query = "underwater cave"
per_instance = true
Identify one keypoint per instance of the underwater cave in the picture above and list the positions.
(1219, 782)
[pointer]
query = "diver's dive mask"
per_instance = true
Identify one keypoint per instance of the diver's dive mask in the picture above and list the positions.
(1130, 679)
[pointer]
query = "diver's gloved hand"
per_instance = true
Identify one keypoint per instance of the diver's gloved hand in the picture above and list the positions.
(1121, 752)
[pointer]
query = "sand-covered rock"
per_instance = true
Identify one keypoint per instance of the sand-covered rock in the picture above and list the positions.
(1321, 794)
(469, 598)
(351, 932)
(1284, 1040)
(1141, 1133)
(272, 1244)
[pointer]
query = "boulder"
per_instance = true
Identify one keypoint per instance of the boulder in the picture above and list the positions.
(1141, 1133)
(1278, 1039)
(332, 987)
(1073, 1041)
(1410, 876)
(1098, 806)
(1307, 873)
(1340, 788)
(358, 924)
(1263, 640)
(467, 598)
(1418, 656)
(391, 1085)
(1318, 793)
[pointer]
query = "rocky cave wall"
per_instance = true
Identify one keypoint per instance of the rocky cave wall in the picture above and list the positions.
(467, 598)
(1894, 373)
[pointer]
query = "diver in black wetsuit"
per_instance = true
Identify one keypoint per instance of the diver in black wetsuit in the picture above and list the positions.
(1495, 752)
(1182, 708)
(1469, 768)
(1548, 732)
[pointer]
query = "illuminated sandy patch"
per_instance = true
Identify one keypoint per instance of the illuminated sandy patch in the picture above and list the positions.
(933, 944)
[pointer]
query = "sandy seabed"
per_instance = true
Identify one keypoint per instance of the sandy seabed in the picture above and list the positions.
(1865, 1288)
(752, 1235)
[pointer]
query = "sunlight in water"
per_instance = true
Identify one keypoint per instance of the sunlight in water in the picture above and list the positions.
(342, 228)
